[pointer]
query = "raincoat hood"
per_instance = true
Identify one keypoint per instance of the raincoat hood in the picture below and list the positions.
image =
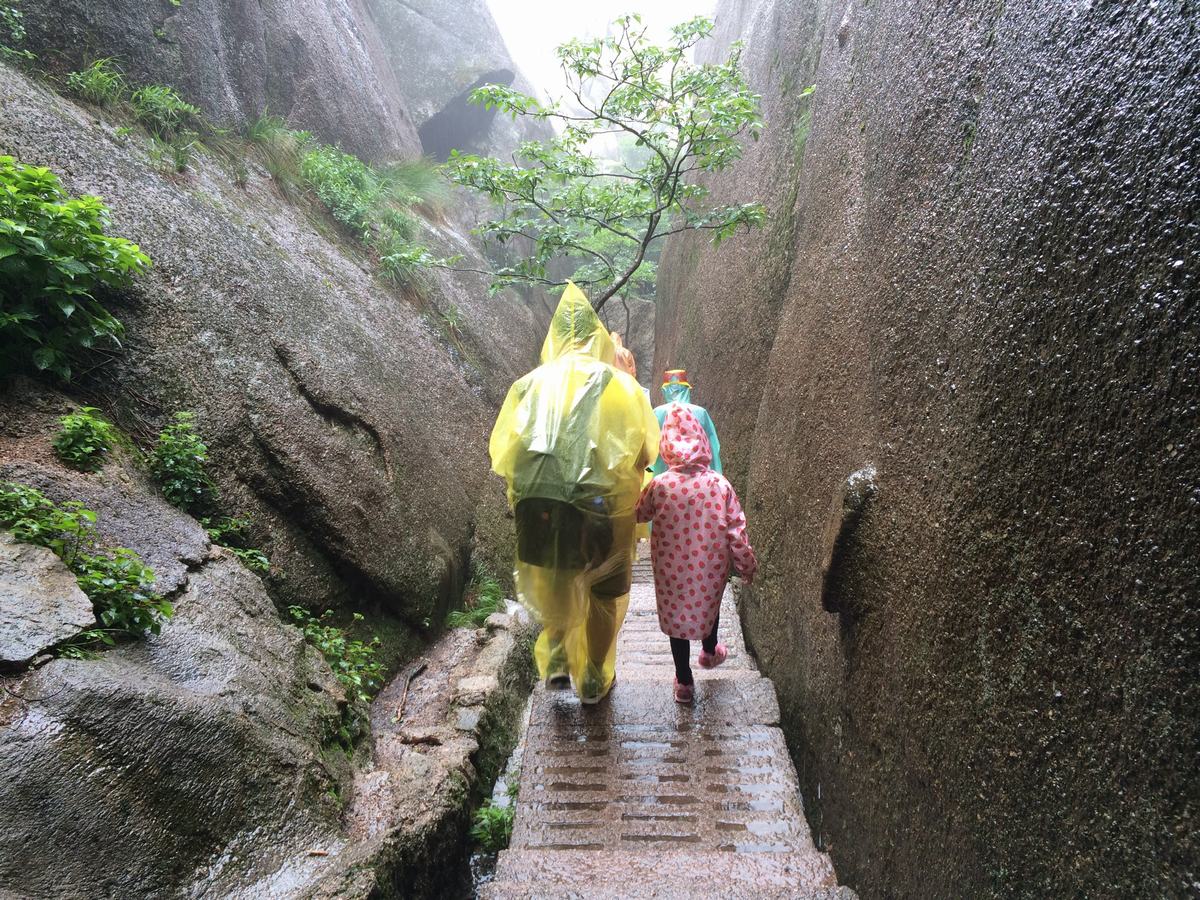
(684, 442)
(575, 328)
(677, 393)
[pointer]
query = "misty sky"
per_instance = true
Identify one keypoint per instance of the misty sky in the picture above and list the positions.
(533, 28)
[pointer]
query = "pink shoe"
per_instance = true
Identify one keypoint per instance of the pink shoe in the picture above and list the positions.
(712, 660)
(684, 693)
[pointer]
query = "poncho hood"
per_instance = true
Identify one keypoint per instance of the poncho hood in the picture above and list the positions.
(684, 443)
(677, 393)
(575, 328)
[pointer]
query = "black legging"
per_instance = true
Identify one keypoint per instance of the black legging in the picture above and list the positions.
(681, 650)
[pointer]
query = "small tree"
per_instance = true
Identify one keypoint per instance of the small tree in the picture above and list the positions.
(563, 200)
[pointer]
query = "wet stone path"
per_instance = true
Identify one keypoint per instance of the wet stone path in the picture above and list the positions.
(639, 796)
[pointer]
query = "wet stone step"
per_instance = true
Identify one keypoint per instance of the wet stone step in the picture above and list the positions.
(654, 872)
(639, 796)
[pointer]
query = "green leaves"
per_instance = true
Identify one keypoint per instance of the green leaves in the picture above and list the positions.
(178, 463)
(84, 439)
(101, 83)
(54, 256)
(561, 198)
(164, 113)
(355, 665)
(12, 32)
(119, 585)
(492, 826)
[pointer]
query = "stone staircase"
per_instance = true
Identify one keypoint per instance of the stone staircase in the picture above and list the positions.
(641, 797)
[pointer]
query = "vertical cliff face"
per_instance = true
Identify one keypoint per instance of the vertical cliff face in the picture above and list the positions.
(980, 281)
(321, 65)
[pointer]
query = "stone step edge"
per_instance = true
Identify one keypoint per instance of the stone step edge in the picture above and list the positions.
(789, 870)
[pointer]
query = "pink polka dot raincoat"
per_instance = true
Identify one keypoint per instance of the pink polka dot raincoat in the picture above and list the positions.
(699, 530)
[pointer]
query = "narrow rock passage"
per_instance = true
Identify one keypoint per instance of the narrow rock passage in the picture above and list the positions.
(642, 797)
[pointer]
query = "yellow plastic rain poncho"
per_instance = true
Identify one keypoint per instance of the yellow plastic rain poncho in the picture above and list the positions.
(572, 441)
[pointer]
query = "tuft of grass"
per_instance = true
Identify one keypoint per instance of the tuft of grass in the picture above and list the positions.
(101, 83)
(164, 113)
(280, 149)
(484, 596)
(416, 183)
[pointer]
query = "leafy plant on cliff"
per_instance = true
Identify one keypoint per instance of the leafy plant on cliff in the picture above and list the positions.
(355, 665)
(119, 584)
(560, 197)
(101, 83)
(164, 113)
(54, 258)
(84, 439)
(233, 534)
(12, 32)
(493, 826)
(178, 462)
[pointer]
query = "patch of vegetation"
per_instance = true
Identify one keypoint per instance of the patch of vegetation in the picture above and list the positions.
(484, 596)
(12, 32)
(355, 665)
(119, 584)
(101, 83)
(280, 150)
(178, 462)
(54, 257)
(556, 197)
(233, 534)
(164, 113)
(375, 205)
(493, 826)
(84, 439)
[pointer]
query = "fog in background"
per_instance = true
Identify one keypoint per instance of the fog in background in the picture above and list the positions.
(533, 28)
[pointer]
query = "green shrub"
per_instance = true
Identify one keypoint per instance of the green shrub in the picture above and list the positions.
(84, 439)
(121, 589)
(484, 596)
(344, 183)
(119, 585)
(354, 663)
(163, 111)
(232, 534)
(178, 462)
(101, 83)
(12, 32)
(35, 519)
(54, 255)
(493, 825)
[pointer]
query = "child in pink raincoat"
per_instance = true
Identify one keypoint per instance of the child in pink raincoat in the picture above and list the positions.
(699, 531)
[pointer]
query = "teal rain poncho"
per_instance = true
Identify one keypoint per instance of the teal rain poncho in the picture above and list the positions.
(682, 394)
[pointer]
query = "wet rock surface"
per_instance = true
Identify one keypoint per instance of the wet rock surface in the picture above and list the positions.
(320, 65)
(194, 756)
(339, 419)
(40, 603)
(441, 731)
(981, 277)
